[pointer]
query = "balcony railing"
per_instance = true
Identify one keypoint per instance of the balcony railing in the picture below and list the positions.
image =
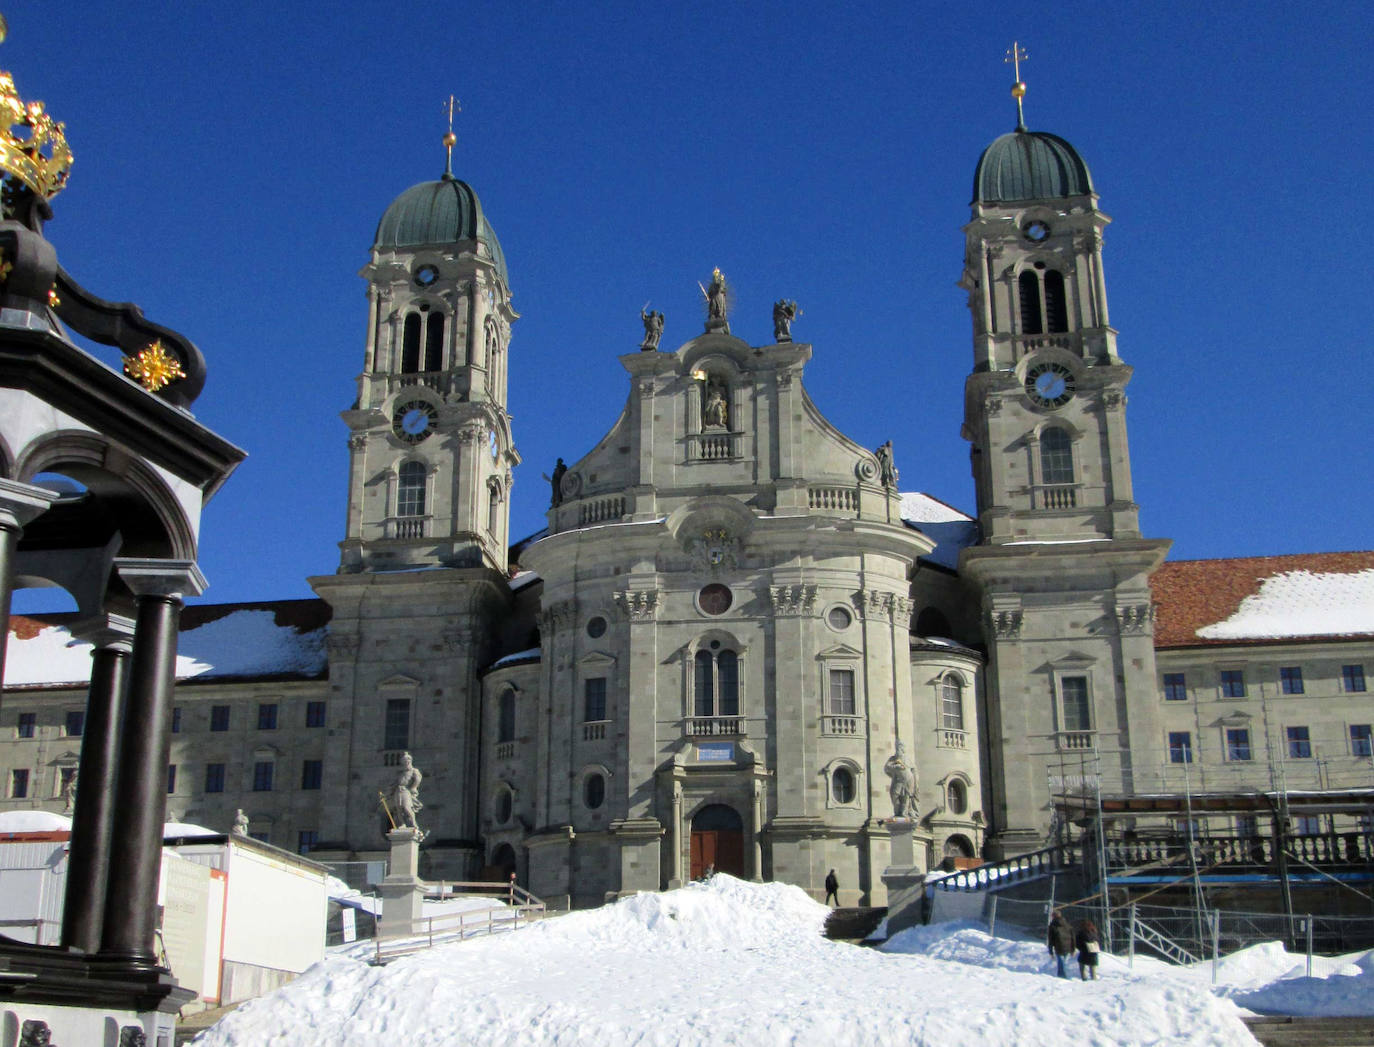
(1056, 496)
(713, 447)
(714, 726)
(842, 726)
(408, 527)
(952, 739)
(505, 750)
(1075, 741)
(833, 499)
(594, 731)
(599, 510)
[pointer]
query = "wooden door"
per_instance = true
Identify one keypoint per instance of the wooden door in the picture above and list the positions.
(721, 850)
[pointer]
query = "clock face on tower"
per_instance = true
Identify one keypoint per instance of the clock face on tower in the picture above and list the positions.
(414, 421)
(1049, 385)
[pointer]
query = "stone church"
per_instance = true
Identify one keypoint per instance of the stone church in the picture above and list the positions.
(736, 642)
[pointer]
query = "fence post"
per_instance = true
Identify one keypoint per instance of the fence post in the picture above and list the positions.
(1216, 942)
(1309, 945)
(1130, 959)
(992, 917)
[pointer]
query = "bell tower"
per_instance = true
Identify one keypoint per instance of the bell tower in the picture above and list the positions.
(431, 449)
(1061, 566)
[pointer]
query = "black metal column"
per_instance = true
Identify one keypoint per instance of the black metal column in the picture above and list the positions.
(93, 820)
(140, 803)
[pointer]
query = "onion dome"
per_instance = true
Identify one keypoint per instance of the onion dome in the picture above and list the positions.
(442, 212)
(1029, 165)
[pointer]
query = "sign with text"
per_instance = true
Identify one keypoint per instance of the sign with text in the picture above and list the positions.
(716, 752)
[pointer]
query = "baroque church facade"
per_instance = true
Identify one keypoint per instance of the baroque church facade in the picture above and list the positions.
(735, 634)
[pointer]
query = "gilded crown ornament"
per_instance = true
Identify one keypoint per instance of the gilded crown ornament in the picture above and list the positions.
(154, 368)
(33, 146)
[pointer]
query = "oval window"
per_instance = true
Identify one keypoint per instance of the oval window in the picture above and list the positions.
(594, 791)
(504, 804)
(715, 598)
(958, 797)
(596, 627)
(839, 618)
(842, 785)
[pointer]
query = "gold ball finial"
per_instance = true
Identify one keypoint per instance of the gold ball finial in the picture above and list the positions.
(1018, 89)
(450, 140)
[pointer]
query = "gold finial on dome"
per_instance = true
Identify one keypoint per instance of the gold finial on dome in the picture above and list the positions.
(451, 139)
(38, 155)
(1015, 57)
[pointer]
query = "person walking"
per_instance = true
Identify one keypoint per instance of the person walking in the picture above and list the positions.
(832, 889)
(1089, 944)
(1059, 938)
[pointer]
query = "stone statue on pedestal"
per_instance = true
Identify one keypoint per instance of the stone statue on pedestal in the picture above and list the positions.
(903, 786)
(405, 795)
(653, 329)
(784, 312)
(240, 827)
(556, 482)
(69, 793)
(887, 471)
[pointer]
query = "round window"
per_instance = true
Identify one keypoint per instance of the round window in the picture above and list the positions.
(842, 785)
(1037, 232)
(715, 598)
(596, 627)
(504, 805)
(958, 797)
(839, 618)
(426, 275)
(594, 791)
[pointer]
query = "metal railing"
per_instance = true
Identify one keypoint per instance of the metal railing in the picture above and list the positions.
(519, 910)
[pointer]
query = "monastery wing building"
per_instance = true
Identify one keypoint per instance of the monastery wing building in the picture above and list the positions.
(737, 645)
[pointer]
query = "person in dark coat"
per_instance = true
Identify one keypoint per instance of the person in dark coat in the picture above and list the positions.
(1059, 938)
(832, 889)
(1089, 944)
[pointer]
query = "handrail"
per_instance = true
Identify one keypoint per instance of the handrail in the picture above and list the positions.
(1012, 870)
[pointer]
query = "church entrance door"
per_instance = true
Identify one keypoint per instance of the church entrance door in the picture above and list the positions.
(717, 841)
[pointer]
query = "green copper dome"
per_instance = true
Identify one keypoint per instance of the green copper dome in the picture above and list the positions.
(442, 212)
(1029, 165)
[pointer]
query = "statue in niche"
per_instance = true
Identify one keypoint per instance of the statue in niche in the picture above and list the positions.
(240, 827)
(653, 330)
(903, 786)
(784, 312)
(716, 413)
(405, 795)
(69, 792)
(556, 482)
(887, 471)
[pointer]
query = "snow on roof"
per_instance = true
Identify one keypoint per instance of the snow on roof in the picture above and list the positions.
(945, 525)
(33, 822)
(1264, 598)
(530, 653)
(280, 638)
(521, 579)
(182, 830)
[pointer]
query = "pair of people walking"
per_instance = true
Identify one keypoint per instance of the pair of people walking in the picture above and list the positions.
(1063, 940)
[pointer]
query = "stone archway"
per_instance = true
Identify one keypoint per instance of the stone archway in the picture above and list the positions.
(717, 841)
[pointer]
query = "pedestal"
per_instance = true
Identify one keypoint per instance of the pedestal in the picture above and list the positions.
(905, 877)
(403, 892)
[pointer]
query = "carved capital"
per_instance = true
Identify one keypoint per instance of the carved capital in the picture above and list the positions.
(342, 645)
(1006, 625)
(902, 607)
(992, 406)
(357, 442)
(789, 600)
(785, 379)
(637, 603)
(1113, 398)
(458, 639)
(1135, 618)
(878, 604)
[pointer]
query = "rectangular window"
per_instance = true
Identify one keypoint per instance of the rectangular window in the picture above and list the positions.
(171, 777)
(1361, 740)
(312, 774)
(842, 692)
(1307, 825)
(1073, 690)
(314, 714)
(19, 784)
(267, 716)
(307, 840)
(1299, 744)
(1237, 743)
(594, 699)
(26, 724)
(1180, 747)
(176, 719)
(214, 777)
(1290, 679)
(262, 776)
(75, 722)
(219, 717)
(396, 730)
(1175, 687)
(1352, 679)
(1233, 683)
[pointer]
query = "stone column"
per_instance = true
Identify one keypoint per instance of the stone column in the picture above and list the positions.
(19, 503)
(144, 745)
(93, 820)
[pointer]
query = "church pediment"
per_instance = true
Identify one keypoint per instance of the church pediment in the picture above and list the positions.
(399, 681)
(839, 650)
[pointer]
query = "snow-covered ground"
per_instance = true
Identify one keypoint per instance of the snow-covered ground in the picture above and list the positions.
(729, 962)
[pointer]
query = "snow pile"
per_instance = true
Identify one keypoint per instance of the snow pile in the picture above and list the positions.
(725, 962)
(33, 822)
(1302, 603)
(1268, 979)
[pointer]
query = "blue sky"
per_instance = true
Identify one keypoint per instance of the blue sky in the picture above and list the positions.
(233, 161)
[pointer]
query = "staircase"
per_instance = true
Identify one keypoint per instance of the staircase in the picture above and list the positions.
(1312, 1032)
(854, 925)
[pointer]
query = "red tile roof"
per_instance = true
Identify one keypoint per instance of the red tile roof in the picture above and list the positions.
(1192, 594)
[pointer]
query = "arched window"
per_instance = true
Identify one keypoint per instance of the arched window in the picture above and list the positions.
(717, 683)
(434, 342)
(1031, 318)
(1056, 457)
(956, 797)
(1056, 312)
(410, 345)
(505, 805)
(842, 785)
(410, 490)
(506, 717)
(952, 703)
(594, 791)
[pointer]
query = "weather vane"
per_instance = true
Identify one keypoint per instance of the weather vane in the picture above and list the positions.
(1015, 57)
(451, 139)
